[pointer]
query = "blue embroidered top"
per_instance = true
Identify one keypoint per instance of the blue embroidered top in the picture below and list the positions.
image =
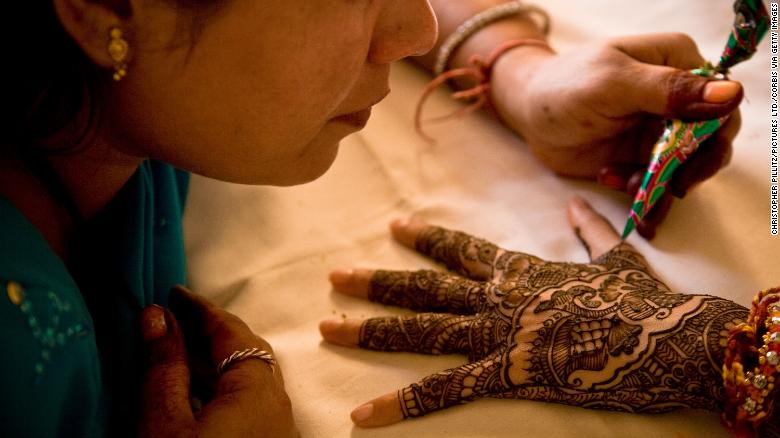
(72, 352)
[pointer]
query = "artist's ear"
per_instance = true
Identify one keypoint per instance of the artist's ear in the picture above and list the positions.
(90, 24)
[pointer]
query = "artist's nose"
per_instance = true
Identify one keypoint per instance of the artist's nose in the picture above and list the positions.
(404, 28)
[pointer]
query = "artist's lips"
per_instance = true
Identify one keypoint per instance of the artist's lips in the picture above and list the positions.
(357, 119)
(360, 118)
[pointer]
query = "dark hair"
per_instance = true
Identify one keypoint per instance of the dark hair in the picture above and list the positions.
(51, 86)
(45, 79)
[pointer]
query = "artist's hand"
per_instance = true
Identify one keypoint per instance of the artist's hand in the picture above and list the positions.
(248, 399)
(605, 334)
(595, 112)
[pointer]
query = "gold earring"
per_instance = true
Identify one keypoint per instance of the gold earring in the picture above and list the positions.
(118, 50)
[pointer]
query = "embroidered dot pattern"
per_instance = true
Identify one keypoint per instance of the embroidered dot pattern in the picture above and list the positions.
(50, 334)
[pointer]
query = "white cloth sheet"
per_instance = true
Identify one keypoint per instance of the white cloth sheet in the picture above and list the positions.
(265, 253)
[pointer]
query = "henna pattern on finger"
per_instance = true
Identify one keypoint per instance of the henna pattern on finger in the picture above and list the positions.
(427, 291)
(464, 254)
(429, 333)
(451, 387)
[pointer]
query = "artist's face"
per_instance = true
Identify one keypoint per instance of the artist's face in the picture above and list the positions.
(266, 91)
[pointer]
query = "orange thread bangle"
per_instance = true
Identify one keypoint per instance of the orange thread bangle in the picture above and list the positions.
(479, 70)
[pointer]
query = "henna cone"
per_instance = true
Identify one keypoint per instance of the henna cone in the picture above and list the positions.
(677, 143)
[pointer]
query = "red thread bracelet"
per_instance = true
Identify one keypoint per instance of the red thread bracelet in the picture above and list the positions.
(479, 70)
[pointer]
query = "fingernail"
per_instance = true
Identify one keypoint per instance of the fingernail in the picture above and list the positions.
(153, 323)
(612, 181)
(341, 276)
(579, 202)
(330, 326)
(400, 223)
(720, 91)
(363, 413)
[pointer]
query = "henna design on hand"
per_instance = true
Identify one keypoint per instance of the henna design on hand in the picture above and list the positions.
(606, 334)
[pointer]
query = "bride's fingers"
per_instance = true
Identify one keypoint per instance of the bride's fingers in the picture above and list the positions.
(596, 234)
(467, 255)
(600, 238)
(424, 290)
(355, 282)
(428, 333)
(464, 254)
(433, 393)
(344, 332)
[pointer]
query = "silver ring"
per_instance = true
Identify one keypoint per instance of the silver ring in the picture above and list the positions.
(249, 353)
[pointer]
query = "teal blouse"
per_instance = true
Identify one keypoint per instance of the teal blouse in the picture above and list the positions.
(72, 355)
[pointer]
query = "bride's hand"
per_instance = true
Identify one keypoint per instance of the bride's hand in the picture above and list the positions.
(606, 334)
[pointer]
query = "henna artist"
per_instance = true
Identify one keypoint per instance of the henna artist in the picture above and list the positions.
(606, 334)
(104, 101)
